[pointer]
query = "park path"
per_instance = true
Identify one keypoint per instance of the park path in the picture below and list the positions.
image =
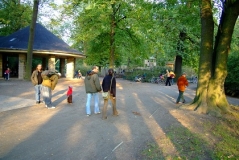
(147, 112)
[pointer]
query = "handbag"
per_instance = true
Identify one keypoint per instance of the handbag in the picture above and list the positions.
(106, 95)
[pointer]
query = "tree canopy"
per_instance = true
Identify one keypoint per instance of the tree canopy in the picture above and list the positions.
(14, 15)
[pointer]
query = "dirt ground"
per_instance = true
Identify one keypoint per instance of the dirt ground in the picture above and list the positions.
(147, 111)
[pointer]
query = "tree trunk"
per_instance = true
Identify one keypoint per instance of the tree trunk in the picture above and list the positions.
(112, 37)
(31, 40)
(178, 66)
(210, 96)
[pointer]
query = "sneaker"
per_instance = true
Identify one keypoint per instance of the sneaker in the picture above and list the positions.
(52, 107)
(88, 115)
(37, 102)
(97, 113)
(184, 101)
(177, 102)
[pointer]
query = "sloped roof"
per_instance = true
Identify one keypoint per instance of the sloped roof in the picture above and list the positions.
(44, 41)
(1, 37)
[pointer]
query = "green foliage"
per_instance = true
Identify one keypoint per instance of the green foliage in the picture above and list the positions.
(149, 73)
(83, 69)
(91, 34)
(143, 29)
(232, 83)
(14, 16)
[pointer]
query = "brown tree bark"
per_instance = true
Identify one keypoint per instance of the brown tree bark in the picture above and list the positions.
(112, 37)
(210, 96)
(178, 66)
(31, 40)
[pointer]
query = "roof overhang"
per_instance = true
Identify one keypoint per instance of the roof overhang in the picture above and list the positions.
(44, 52)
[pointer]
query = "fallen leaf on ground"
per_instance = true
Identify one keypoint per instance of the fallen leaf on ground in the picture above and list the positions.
(136, 113)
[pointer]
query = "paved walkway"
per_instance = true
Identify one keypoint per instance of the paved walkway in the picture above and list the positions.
(147, 111)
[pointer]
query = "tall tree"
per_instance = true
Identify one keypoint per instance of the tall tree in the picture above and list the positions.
(210, 96)
(31, 40)
(107, 29)
(14, 16)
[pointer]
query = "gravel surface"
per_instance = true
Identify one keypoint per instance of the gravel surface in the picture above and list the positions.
(147, 111)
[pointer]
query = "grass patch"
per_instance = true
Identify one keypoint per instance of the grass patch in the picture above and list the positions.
(153, 152)
(195, 146)
(188, 145)
(228, 133)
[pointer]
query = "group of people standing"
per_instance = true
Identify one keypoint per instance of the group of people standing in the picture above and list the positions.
(93, 87)
(170, 78)
(44, 82)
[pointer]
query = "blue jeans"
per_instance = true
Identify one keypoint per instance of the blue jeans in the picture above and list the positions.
(46, 94)
(180, 96)
(96, 98)
(38, 92)
(172, 81)
(7, 76)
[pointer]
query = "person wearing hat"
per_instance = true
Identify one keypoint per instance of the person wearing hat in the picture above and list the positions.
(182, 83)
(109, 85)
(92, 87)
(50, 79)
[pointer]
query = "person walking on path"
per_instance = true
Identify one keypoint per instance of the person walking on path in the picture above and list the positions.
(36, 79)
(109, 85)
(7, 74)
(168, 80)
(50, 79)
(182, 83)
(92, 87)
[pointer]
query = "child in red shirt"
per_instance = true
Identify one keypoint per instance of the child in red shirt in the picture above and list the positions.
(69, 94)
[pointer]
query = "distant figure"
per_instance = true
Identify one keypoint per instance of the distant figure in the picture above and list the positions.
(92, 87)
(168, 80)
(161, 77)
(76, 75)
(36, 79)
(182, 83)
(195, 79)
(69, 94)
(50, 79)
(7, 74)
(109, 85)
(79, 74)
(172, 76)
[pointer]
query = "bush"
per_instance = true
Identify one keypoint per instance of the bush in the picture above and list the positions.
(232, 80)
(149, 73)
(83, 69)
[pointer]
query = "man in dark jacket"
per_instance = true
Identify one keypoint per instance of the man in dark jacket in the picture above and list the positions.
(92, 87)
(109, 85)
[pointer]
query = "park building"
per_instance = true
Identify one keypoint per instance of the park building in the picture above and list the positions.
(48, 49)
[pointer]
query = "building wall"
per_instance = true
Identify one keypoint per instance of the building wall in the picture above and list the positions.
(22, 66)
(70, 67)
